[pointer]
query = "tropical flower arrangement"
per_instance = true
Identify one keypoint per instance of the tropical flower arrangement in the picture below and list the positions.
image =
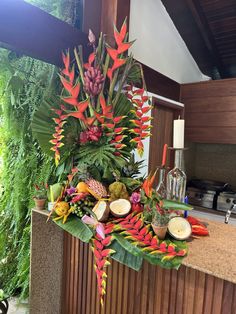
(96, 123)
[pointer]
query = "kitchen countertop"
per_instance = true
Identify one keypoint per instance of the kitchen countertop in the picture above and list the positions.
(214, 255)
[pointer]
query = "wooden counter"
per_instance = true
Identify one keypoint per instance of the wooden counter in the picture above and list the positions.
(204, 284)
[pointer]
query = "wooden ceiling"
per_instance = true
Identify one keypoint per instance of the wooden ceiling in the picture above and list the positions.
(208, 28)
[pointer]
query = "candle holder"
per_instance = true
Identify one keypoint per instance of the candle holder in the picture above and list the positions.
(176, 178)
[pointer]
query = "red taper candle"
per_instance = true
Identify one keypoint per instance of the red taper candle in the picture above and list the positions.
(164, 155)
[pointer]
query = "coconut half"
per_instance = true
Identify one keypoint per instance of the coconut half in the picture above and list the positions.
(120, 207)
(101, 210)
(179, 228)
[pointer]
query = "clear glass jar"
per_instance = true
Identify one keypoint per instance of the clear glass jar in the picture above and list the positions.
(161, 187)
(176, 179)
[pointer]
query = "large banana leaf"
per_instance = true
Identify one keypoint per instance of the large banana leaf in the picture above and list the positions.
(153, 259)
(124, 257)
(76, 227)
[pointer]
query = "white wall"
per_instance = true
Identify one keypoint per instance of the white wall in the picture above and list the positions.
(158, 43)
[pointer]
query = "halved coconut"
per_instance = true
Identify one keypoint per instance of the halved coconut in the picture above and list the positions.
(120, 207)
(179, 228)
(101, 210)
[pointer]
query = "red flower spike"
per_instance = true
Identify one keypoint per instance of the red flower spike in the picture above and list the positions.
(67, 85)
(171, 248)
(139, 91)
(107, 241)
(98, 244)
(112, 53)
(75, 90)
(182, 253)
(118, 63)
(110, 74)
(145, 240)
(138, 224)
(119, 138)
(120, 146)
(123, 47)
(70, 100)
(91, 59)
(119, 130)
(101, 256)
(138, 99)
(118, 119)
(119, 37)
(56, 142)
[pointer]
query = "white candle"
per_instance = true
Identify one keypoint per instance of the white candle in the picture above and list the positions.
(178, 134)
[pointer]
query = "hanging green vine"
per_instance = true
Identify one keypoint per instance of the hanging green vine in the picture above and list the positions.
(23, 164)
(23, 84)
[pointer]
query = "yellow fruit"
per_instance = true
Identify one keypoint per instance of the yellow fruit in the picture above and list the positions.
(62, 208)
(82, 187)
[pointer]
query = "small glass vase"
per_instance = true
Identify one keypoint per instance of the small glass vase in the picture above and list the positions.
(161, 187)
(176, 179)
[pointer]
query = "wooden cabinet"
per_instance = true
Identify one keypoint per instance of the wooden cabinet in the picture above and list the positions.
(152, 290)
(210, 111)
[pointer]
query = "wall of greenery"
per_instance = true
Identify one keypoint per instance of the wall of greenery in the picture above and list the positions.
(23, 84)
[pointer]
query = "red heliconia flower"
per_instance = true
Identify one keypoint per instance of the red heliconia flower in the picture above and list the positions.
(110, 124)
(116, 54)
(57, 136)
(139, 234)
(141, 129)
(101, 255)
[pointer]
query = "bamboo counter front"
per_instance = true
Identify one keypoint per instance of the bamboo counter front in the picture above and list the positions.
(204, 284)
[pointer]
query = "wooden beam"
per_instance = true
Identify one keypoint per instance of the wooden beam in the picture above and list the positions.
(92, 11)
(206, 34)
(160, 84)
(113, 13)
(31, 31)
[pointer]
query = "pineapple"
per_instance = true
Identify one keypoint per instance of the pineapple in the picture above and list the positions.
(96, 188)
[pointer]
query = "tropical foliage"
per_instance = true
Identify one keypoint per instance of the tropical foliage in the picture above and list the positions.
(91, 130)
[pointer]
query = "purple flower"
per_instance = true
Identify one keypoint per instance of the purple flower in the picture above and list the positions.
(71, 190)
(135, 198)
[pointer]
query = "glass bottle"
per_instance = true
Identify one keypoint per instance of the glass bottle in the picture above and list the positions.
(161, 187)
(176, 179)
